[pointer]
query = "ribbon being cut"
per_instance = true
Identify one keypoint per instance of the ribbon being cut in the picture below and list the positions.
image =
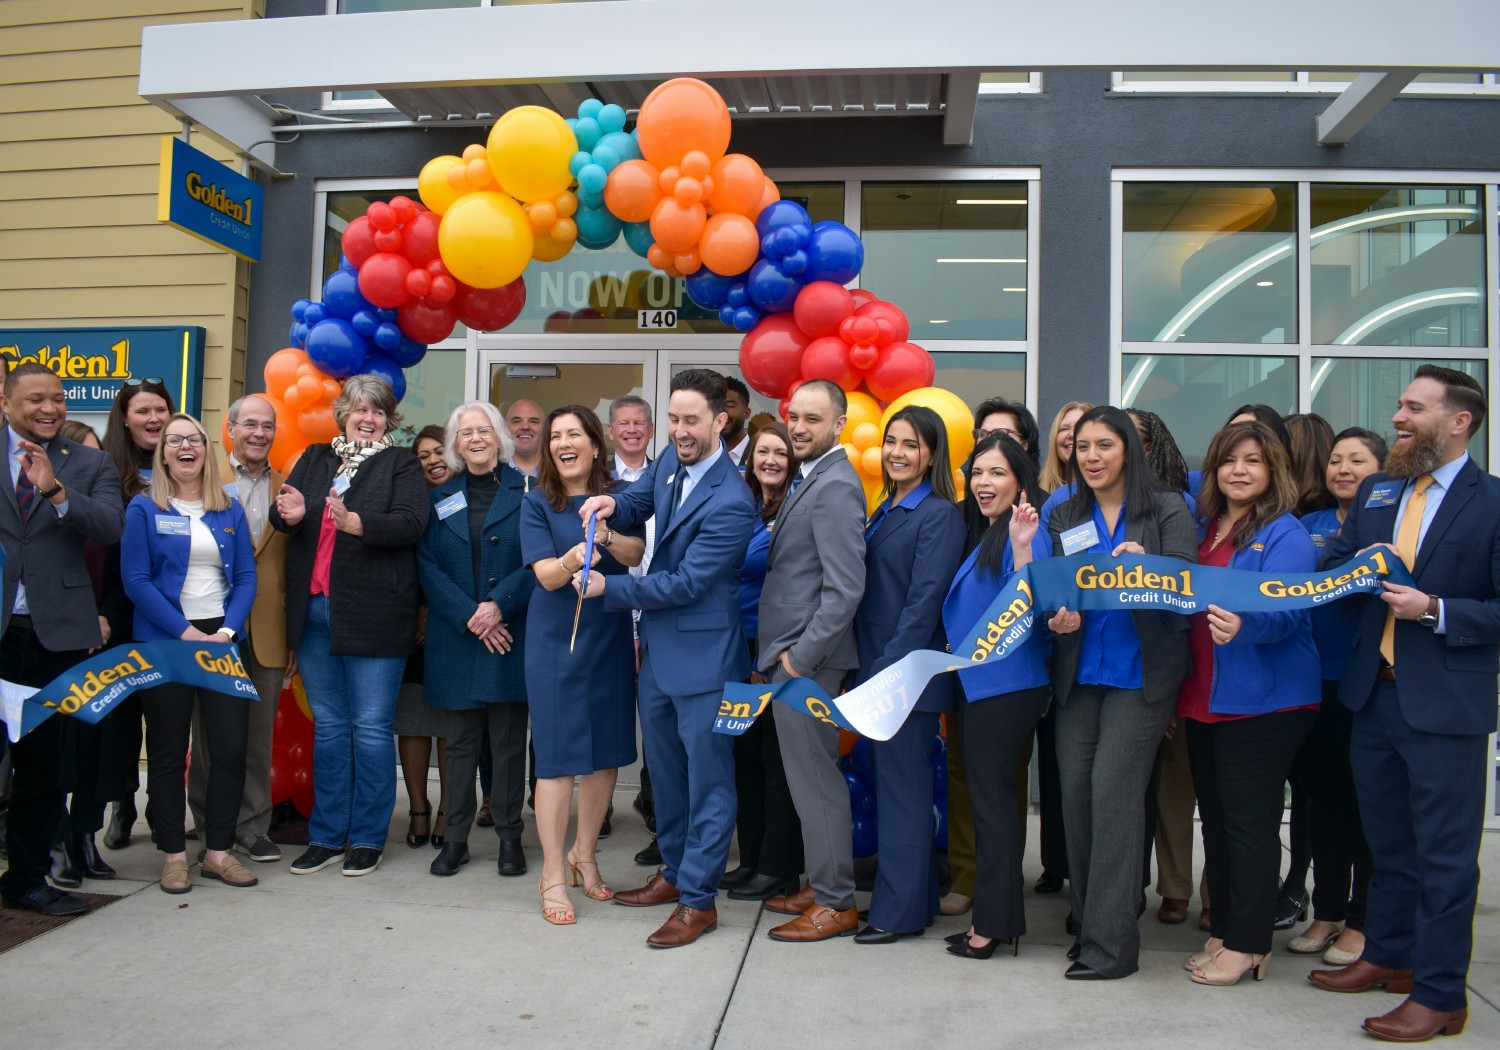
(878, 707)
(90, 689)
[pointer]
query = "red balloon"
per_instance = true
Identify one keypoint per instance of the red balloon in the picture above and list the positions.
(388, 240)
(490, 309)
(901, 369)
(404, 208)
(419, 238)
(444, 288)
(281, 778)
(861, 357)
(359, 241)
(828, 358)
(820, 307)
(302, 791)
(426, 323)
(418, 283)
(381, 216)
(786, 402)
(382, 279)
(881, 310)
(771, 355)
(859, 331)
(863, 295)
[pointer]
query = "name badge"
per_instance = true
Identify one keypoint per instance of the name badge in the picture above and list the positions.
(171, 525)
(1080, 538)
(232, 490)
(341, 484)
(671, 478)
(1319, 540)
(452, 505)
(1384, 495)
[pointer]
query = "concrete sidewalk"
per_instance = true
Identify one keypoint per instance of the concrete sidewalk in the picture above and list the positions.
(401, 959)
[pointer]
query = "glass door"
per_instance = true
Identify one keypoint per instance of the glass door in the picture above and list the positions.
(553, 378)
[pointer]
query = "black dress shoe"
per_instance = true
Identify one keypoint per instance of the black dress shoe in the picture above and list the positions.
(650, 857)
(1048, 883)
(647, 810)
(1075, 950)
(512, 858)
(121, 822)
(875, 935)
(608, 828)
(1290, 910)
(447, 862)
(64, 873)
(762, 887)
(84, 855)
(48, 901)
(1083, 972)
(734, 876)
(1071, 925)
(957, 938)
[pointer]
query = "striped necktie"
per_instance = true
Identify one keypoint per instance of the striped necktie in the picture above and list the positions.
(25, 493)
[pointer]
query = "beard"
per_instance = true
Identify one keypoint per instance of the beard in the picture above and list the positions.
(1421, 454)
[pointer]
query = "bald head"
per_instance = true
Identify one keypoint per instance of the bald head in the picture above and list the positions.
(524, 418)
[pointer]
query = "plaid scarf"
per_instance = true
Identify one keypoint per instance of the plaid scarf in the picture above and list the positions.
(352, 454)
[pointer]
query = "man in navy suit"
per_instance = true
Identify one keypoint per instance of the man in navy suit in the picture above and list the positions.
(691, 644)
(1421, 682)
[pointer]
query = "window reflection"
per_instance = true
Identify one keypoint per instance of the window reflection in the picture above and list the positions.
(1194, 394)
(1362, 392)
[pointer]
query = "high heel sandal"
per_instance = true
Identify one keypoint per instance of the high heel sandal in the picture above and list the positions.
(1210, 973)
(414, 840)
(557, 912)
(598, 890)
(1198, 960)
(437, 840)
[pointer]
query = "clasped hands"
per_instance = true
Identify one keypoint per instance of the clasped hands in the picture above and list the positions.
(292, 506)
(485, 625)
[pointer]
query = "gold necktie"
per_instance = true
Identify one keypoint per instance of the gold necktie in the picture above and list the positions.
(1406, 545)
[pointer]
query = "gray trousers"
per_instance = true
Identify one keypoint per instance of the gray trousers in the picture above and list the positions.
(1106, 745)
(810, 753)
(464, 731)
(255, 806)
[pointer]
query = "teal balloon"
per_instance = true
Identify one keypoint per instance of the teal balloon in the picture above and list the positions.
(621, 145)
(639, 237)
(587, 131)
(611, 117)
(597, 228)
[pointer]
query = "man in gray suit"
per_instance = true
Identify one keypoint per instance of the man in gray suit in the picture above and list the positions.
(815, 578)
(57, 494)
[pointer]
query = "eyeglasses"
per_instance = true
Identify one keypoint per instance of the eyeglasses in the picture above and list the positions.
(145, 381)
(469, 432)
(194, 440)
(269, 428)
(980, 434)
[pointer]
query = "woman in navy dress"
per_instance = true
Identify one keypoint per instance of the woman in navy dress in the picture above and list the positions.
(583, 701)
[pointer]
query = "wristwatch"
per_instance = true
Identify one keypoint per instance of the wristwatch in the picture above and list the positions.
(57, 487)
(609, 538)
(1430, 617)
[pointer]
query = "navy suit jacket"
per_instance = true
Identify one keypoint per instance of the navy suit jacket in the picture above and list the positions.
(690, 597)
(1445, 683)
(909, 564)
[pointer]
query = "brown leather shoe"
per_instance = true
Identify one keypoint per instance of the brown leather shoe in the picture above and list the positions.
(656, 891)
(230, 872)
(1361, 977)
(1411, 1022)
(818, 923)
(684, 927)
(175, 877)
(796, 904)
(1206, 920)
(1173, 910)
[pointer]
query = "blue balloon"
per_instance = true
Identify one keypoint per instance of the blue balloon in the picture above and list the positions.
(835, 253)
(298, 335)
(857, 787)
(781, 213)
(639, 237)
(385, 313)
(770, 289)
(745, 319)
(314, 313)
(861, 757)
(365, 322)
(408, 352)
(597, 228)
(341, 296)
(299, 309)
(708, 289)
(387, 336)
(939, 752)
(345, 264)
(940, 826)
(336, 348)
(388, 370)
(866, 839)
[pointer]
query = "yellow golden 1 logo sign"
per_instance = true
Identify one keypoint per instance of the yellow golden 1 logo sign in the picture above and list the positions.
(200, 196)
(94, 363)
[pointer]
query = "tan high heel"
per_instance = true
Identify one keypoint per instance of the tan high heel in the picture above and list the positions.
(557, 912)
(1210, 973)
(598, 890)
(1198, 960)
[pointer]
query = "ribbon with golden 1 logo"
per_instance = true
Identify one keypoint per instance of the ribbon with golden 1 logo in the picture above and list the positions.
(90, 689)
(1084, 582)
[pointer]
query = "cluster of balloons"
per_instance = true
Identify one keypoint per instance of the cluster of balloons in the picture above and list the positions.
(291, 749)
(857, 765)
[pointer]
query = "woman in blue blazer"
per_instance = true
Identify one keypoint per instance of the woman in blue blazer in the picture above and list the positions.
(1251, 698)
(998, 704)
(189, 566)
(913, 544)
(477, 589)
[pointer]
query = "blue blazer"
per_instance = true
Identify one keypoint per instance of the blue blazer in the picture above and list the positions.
(459, 673)
(909, 563)
(968, 598)
(1453, 689)
(154, 565)
(690, 597)
(1272, 663)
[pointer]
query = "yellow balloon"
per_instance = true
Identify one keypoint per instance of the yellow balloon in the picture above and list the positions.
(955, 414)
(433, 186)
(862, 409)
(865, 435)
(530, 148)
(874, 493)
(299, 693)
(869, 462)
(485, 239)
(546, 248)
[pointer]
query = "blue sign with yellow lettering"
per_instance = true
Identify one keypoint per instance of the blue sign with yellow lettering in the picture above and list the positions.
(93, 363)
(198, 195)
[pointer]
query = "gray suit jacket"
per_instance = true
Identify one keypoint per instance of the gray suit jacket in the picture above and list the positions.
(815, 572)
(1165, 660)
(48, 551)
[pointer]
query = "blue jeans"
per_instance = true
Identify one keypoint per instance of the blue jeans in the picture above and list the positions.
(353, 701)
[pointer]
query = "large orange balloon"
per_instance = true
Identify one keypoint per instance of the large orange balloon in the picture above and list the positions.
(955, 413)
(485, 239)
(317, 424)
(632, 191)
(676, 228)
(769, 196)
(729, 244)
(739, 185)
(679, 116)
(433, 186)
(289, 441)
(282, 368)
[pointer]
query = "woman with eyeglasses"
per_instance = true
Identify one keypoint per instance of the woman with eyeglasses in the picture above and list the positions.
(190, 570)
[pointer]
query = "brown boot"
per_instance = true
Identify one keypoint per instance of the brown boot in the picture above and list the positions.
(1411, 1022)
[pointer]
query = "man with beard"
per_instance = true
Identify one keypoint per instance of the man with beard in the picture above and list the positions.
(1421, 682)
(737, 408)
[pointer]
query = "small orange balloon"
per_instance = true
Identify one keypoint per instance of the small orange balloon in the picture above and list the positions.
(680, 116)
(739, 186)
(479, 173)
(675, 227)
(542, 214)
(632, 191)
(729, 244)
(695, 164)
(869, 462)
(659, 257)
(768, 197)
(684, 263)
(566, 204)
(476, 151)
(283, 367)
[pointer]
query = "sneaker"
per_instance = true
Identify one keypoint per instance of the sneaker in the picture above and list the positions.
(362, 860)
(259, 847)
(316, 858)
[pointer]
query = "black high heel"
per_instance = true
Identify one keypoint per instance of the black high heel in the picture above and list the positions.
(414, 840)
(967, 950)
(957, 938)
(437, 840)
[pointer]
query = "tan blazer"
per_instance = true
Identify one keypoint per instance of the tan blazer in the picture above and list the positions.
(266, 627)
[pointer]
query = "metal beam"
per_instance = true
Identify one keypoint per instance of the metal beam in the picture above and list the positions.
(960, 100)
(1359, 102)
(243, 123)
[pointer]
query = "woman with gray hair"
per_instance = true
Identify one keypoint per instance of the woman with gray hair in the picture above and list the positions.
(355, 509)
(477, 589)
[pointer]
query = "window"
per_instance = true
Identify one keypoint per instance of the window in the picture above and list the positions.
(1362, 392)
(1271, 82)
(1194, 394)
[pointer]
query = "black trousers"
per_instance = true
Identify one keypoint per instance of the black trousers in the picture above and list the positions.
(770, 835)
(1238, 769)
(1341, 857)
(169, 725)
(995, 733)
(1049, 802)
(503, 727)
(37, 794)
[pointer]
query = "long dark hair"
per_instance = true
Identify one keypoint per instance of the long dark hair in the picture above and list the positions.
(1280, 496)
(933, 433)
(1161, 450)
(1311, 442)
(598, 482)
(769, 503)
(1141, 483)
(128, 457)
(1270, 417)
(1031, 435)
(991, 538)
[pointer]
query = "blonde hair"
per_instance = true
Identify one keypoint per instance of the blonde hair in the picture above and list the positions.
(1054, 473)
(163, 488)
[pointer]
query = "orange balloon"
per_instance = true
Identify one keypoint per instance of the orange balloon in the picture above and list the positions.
(282, 368)
(332, 388)
(729, 244)
(769, 196)
(476, 151)
(847, 740)
(632, 191)
(869, 462)
(679, 116)
(685, 263)
(317, 424)
(289, 440)
(659, 257)
(311, 388)
(739, 185)
(224, 438)
(547, 248)
(677, 228)
(433, 186)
